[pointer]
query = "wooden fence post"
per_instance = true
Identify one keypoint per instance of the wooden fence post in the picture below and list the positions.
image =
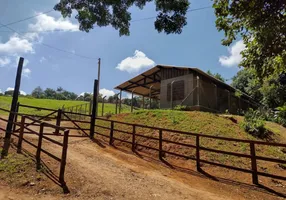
(58, 123)
(253, 164)
(64, 161)
(198, 153)
(94, 109)
(39, 148)
(16, 117)
(9, 126)
(160, 144)
(111, 133)
(133, 138)
(21, 135)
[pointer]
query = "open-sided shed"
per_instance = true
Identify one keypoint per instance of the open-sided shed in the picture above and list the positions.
(189, 87)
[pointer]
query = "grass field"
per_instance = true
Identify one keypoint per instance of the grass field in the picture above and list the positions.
(5, 102)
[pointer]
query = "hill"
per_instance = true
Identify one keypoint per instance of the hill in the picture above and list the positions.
(53, 104)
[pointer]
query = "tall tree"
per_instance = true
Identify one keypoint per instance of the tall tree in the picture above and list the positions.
(217, 76)
(262, 26)
(171, 16)
(38, 92)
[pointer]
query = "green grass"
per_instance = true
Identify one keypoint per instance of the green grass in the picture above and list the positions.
(198, 122)
(5, 102)
(17, 169)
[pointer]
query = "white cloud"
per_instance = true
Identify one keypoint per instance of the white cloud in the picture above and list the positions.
(4, 61)
(106, 92)
(12, 89)
(49, 23)
(26, 72)
(235, 57)
(16, 45)
(43, 59)
(135, 63)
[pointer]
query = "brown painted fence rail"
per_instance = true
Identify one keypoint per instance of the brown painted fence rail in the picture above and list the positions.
(252, 154)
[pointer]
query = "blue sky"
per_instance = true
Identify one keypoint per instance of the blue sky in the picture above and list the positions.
(122, 57)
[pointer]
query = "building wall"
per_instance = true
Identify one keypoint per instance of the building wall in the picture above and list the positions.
(188, 81)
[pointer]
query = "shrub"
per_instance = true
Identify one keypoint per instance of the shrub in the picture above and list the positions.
(254, 124)
(108, 115)
(281, 115)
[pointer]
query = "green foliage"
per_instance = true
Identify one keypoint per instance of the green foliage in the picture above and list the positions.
(217, 76)
(254, 124)
(170, 19)
(108, 115)
(262, 25)
(281, 115)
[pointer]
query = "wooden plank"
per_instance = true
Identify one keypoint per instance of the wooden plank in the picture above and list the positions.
(64, 159)
(39, 147)
(226, 166)
(253, 164)
(133, 138)
(53, 141)
(160, 144)
(21, 134)
(111, 133)
(226, 152)
(198, 153)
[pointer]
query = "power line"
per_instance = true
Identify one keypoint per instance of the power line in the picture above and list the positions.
(136, 20)
(49, 46)
(27, 18)
(69, 52)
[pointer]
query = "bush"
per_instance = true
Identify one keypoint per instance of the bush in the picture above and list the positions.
(281, 115)
(254, 123)
(108, 115)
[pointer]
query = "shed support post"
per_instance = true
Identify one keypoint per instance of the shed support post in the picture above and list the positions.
(132, 100)
(229, 101)
(150, 95)
(216, 98)
(198, 90)
(120, 101)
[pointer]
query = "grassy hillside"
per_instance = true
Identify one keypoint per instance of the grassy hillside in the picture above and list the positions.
(53, 104)
(205, 123)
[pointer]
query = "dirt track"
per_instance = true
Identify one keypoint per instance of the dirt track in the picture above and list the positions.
(103, 172)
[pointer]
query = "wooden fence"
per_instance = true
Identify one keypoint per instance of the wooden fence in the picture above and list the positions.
(197, 146)
(24, 130)
(162, 139)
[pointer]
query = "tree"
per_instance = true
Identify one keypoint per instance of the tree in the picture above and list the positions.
(9, 93)
(271, 92)
(217, 76)
(50, 93)
(171, 16)
(38, 92)
(247, 82)
(262, 26)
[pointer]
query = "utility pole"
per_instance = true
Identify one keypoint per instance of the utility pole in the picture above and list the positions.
(98, 79)
(13, 109)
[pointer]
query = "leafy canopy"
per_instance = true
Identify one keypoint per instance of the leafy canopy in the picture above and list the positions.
(262, 26)
(171, 16)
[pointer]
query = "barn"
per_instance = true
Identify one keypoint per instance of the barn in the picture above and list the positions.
(185, 86)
